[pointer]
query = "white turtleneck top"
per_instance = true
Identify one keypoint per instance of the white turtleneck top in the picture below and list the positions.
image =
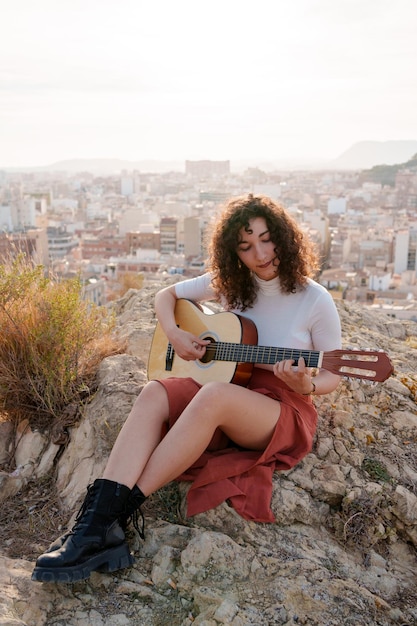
(307, 319)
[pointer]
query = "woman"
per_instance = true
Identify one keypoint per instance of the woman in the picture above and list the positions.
(227, 438)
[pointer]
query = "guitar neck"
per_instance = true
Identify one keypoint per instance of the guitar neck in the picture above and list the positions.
(241, 353)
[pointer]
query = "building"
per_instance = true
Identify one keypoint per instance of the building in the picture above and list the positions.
(143, 240)
(192, 237)
(6, 223)
(141, 261)
(39, 241)
(126, 186)
(60, 242)
(102, 247)
(207, 169)
(379, 281)
(213, 196)
(129, 183)
(133, 218)
(273, 190)
(405, 250)
(168, 233)
(336, 206)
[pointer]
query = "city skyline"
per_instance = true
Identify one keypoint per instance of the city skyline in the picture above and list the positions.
(225, 80)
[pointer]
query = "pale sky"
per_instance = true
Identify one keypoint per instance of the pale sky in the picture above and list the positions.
(194, 79)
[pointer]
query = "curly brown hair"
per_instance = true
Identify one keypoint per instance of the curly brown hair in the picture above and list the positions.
(231, 278)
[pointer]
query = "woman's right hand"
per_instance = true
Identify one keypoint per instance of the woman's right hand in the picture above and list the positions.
(188, 346)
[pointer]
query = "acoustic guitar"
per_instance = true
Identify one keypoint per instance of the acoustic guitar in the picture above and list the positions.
(233, 351)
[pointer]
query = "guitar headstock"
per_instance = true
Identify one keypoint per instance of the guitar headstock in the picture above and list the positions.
(371, 365)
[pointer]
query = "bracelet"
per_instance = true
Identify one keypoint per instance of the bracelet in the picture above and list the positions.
(312, 391)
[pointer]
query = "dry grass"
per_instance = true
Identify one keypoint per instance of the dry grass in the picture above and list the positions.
(32, 519)
(51, 344)
(165, 504)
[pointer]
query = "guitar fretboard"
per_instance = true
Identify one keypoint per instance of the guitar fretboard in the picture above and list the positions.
(241, 353)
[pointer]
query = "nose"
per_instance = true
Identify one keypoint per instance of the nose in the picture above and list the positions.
(260, 252)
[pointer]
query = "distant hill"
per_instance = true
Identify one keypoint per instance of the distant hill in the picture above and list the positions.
(366, 154)
(115, 166)
(105, 167)
(385, 174)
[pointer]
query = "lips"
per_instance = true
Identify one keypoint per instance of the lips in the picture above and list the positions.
(262, 267)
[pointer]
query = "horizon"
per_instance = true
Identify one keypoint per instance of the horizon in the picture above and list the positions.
(360, 156)
(174, 81)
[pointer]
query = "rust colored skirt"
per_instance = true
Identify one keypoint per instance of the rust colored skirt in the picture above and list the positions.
(244, 477)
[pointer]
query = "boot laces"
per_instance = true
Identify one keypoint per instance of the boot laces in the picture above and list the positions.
(83, 509)
(135, 521)
(134, 513)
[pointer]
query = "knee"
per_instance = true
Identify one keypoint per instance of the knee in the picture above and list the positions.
(211, 402)
(213, 390)
(152, 392)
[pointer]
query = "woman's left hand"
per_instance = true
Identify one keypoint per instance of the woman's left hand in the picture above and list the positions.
(297, 378)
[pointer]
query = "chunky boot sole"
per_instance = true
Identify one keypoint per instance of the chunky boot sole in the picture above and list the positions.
(108, 560)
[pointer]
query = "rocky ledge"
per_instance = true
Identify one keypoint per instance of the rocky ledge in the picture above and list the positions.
(343, 549)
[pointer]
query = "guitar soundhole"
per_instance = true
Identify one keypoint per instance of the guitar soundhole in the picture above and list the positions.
(210, 351)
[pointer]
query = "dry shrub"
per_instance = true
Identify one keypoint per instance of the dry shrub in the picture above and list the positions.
(51, 344)
(365, 523)
(126, 281)
(165, 504)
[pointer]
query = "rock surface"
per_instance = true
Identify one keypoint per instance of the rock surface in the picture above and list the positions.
(342, 551)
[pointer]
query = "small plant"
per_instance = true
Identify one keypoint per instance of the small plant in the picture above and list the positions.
(166, 504)
(51, 343)
(364, 523)
(376, 470)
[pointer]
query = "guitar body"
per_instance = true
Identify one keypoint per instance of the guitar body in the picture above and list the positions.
(214, 326)
(233, 351)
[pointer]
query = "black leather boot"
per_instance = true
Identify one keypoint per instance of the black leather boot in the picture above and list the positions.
(131, 513)
(96, 541)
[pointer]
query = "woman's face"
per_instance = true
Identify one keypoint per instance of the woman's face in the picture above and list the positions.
(256, 250)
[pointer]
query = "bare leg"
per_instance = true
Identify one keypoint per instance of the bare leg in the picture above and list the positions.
(140, 435)
(139, 455)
